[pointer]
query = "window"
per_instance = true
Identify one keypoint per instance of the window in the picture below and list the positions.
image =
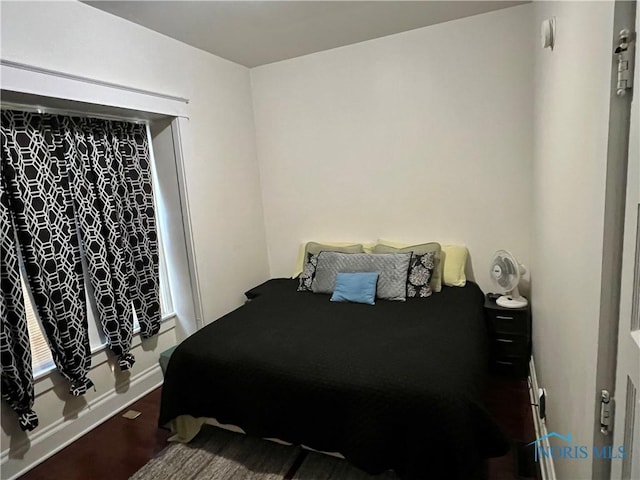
(41, 360)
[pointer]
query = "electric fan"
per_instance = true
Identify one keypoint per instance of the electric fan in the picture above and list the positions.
(506, 273)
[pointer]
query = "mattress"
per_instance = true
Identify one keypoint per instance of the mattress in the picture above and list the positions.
(396, 385)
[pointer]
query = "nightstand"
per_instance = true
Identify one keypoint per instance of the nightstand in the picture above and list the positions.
(510, 335)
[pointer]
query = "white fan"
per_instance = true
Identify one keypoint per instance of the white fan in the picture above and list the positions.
(506, 273)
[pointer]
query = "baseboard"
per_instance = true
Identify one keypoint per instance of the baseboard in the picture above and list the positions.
(547, 468)
(58, 435)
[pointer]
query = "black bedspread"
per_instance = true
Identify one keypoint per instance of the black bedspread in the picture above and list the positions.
(398, 385)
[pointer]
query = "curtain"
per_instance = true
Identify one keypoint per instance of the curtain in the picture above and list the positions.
(73, 186)
(111, 179)
(37, 182)
(17, 376)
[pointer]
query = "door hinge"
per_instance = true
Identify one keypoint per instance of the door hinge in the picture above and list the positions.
(625, 57)
(605, 411)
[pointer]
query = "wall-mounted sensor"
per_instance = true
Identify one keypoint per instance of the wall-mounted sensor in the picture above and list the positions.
(548, 33)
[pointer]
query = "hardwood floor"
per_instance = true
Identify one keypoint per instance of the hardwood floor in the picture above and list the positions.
(113, 451)
(119, 447)
(509, 403)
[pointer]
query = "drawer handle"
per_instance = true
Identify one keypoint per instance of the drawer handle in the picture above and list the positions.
(500, 317)
(504, 340)
(504, 363)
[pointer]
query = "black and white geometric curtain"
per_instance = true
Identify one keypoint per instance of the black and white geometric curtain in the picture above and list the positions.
(17, 376)
(37, 181)
(69, 178)
(111, 178)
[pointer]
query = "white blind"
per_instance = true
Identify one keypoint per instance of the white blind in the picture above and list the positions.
(40, 354)
(166, 300)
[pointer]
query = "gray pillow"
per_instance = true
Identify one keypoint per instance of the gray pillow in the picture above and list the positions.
(392, 282)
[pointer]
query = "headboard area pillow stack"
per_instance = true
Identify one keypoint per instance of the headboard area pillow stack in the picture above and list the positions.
(404, 270)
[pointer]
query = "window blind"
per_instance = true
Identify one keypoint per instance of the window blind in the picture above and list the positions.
(41, 358)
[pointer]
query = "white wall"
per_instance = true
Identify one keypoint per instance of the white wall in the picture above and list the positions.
(421, 136)
(571, 118)
(221, 167)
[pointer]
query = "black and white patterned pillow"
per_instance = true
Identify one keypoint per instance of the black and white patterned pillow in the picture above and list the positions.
(420, 271)
(308, 273)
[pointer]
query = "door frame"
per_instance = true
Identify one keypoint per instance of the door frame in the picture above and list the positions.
(613, 237)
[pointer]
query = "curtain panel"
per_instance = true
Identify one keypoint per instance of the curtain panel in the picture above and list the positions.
(111, 180)
(17, 376)
(79, 186)
(42, 207)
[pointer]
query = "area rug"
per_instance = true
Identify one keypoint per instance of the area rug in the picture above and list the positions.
(217, 454)
(323, 467)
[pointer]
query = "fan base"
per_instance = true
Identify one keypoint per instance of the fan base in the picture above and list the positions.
(508, 301)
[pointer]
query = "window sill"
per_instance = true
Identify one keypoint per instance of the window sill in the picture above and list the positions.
(46, 379)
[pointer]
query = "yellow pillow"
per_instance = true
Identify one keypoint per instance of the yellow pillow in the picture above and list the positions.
(314, 247)
(455, 261)
(368, 247)
(385, 246)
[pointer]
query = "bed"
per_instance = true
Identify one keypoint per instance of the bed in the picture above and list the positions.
(396, 385)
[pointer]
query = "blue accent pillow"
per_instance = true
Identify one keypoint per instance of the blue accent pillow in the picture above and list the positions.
(355, 287)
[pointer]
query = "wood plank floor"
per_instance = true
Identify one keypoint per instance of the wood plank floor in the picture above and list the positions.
(119, 447)
(113, 451)
(509, 403)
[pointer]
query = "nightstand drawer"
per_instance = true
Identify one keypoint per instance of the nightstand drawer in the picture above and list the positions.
(511, 366)
(509, 322)
(504, 346)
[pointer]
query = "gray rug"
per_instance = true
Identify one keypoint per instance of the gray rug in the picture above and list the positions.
(217, 454)
(317, 466)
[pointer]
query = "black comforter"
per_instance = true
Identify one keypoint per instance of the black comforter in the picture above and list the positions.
(397, 385)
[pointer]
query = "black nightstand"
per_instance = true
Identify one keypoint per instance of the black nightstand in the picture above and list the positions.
(510, 334)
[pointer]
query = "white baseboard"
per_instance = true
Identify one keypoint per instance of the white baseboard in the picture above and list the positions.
(547, 468)
(58, 435)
